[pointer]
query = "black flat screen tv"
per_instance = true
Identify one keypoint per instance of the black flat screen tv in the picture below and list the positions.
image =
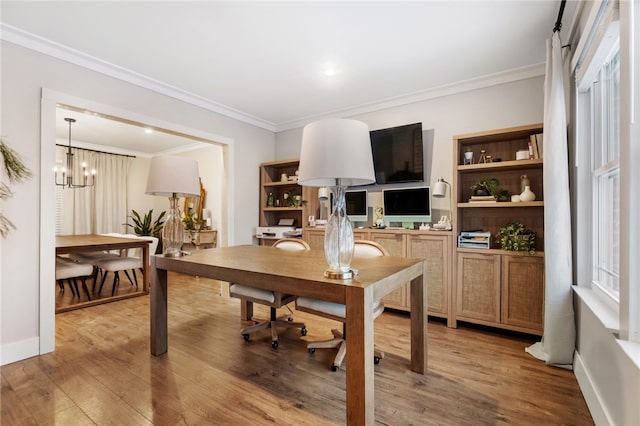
(398, 154)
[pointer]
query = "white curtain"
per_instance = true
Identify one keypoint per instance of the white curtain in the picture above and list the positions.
(558, 342)
(104, 207)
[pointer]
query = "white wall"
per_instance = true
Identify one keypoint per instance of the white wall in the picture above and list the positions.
(24, 74)
(505, 105)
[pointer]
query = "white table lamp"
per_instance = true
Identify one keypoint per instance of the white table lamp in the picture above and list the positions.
(336, 153)
(173, 177)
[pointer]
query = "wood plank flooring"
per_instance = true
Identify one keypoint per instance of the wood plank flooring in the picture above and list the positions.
(103, 374)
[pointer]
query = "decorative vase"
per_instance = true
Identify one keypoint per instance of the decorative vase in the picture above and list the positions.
(524, 182)
(527, 195)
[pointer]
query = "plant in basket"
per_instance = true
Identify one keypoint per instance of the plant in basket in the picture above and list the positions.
(515, 237)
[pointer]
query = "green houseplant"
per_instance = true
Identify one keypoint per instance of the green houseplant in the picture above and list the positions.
(515, 237)
(485, 186)
(146, 226)
(15, 171)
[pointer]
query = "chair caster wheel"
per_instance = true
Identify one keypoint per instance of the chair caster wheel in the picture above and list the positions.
(303, 331)
(274, 344)
(312, 350)
(376, 360)
(245, 337)
(334, 367)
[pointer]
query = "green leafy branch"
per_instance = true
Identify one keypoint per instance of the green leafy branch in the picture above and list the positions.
(16, 171)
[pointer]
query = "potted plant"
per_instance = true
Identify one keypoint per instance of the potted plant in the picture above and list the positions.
(146, 227)
(15, 171)
(485, 186)
(515, 237)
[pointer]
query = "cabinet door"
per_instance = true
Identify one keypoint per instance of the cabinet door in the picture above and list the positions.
(523, 291)
(396, 246)
(478, 287)
(435, 250)
(315, 238)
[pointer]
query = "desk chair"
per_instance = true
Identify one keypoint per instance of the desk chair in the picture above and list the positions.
(273, 299)
(124, 263)
(337, 311)
(67, 269)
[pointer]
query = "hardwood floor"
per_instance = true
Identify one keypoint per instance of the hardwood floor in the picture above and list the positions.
(102, 372)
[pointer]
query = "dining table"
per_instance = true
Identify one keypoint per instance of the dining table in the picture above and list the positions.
(301, 273)
(83, 243)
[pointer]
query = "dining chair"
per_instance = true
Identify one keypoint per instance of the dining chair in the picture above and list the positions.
(273, 299)
(68, 269)
(337, 311)
(124, 263)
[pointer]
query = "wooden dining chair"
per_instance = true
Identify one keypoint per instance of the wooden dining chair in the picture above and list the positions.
(337, 311)
(273, 299)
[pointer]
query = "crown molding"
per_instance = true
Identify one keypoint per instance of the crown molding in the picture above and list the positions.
(39, 44)
(47, 47)
(482, 82)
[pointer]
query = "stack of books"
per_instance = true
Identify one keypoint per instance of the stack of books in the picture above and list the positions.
(482, 199)
(535, 146)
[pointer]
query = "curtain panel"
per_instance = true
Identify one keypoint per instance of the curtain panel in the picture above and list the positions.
(558, 342)
(102, 208)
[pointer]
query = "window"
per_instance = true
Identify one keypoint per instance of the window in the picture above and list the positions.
(605, 144)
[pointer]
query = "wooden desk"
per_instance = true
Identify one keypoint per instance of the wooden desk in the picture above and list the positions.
(92, 242)
(301, 273)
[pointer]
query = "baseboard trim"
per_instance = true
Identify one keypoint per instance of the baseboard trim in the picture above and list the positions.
(18, 351)
(590, 393)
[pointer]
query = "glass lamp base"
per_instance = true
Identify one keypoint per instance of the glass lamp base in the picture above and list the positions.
(338, 275)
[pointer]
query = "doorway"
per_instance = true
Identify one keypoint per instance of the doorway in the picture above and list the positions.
(53, 103)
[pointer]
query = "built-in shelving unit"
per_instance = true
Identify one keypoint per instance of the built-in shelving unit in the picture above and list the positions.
(282, 191)
(497, 287)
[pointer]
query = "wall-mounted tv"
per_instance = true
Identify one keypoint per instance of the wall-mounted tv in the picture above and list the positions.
(398, 154)
(407, 204)
(356, 205)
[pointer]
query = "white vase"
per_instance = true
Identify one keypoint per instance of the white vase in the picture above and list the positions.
(527, 195)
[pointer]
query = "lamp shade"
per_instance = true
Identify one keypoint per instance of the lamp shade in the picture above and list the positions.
(440, 188)
(336, 151)
(169, 175)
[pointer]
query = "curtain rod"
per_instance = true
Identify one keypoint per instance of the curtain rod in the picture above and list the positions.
(559, 20)
(95, 150)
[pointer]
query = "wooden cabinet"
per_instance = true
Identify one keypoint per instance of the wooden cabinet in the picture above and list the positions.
(433, 246)
(493, 286)
(396, 245)
(278, 194)
(436, 249)
(207, 238)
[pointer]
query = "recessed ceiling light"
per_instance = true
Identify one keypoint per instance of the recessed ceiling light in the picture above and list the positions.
(148, 130)
(329, 72)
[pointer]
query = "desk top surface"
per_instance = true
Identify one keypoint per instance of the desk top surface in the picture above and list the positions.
(284, 270)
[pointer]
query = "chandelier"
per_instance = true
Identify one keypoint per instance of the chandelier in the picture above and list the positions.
(67, 172)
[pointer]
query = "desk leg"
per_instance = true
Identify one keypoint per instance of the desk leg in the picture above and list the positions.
(159, 341)
(246, 310)
(418, 325)
(360, 391)
(145, 268)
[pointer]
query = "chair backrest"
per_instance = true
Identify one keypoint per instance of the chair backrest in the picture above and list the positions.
(366, 248)
(291, 244)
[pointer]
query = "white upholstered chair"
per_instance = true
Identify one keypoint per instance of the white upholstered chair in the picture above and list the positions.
(68, 269)
(273, 299)
(125, 263)
(337, 311)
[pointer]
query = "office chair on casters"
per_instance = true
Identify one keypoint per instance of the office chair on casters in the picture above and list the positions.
(273, 299)
(337, 311)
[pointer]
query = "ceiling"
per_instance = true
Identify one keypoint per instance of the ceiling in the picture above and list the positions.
(264, 62)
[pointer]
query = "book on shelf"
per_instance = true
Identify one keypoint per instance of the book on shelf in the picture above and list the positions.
(482, 199)
(536, 144)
